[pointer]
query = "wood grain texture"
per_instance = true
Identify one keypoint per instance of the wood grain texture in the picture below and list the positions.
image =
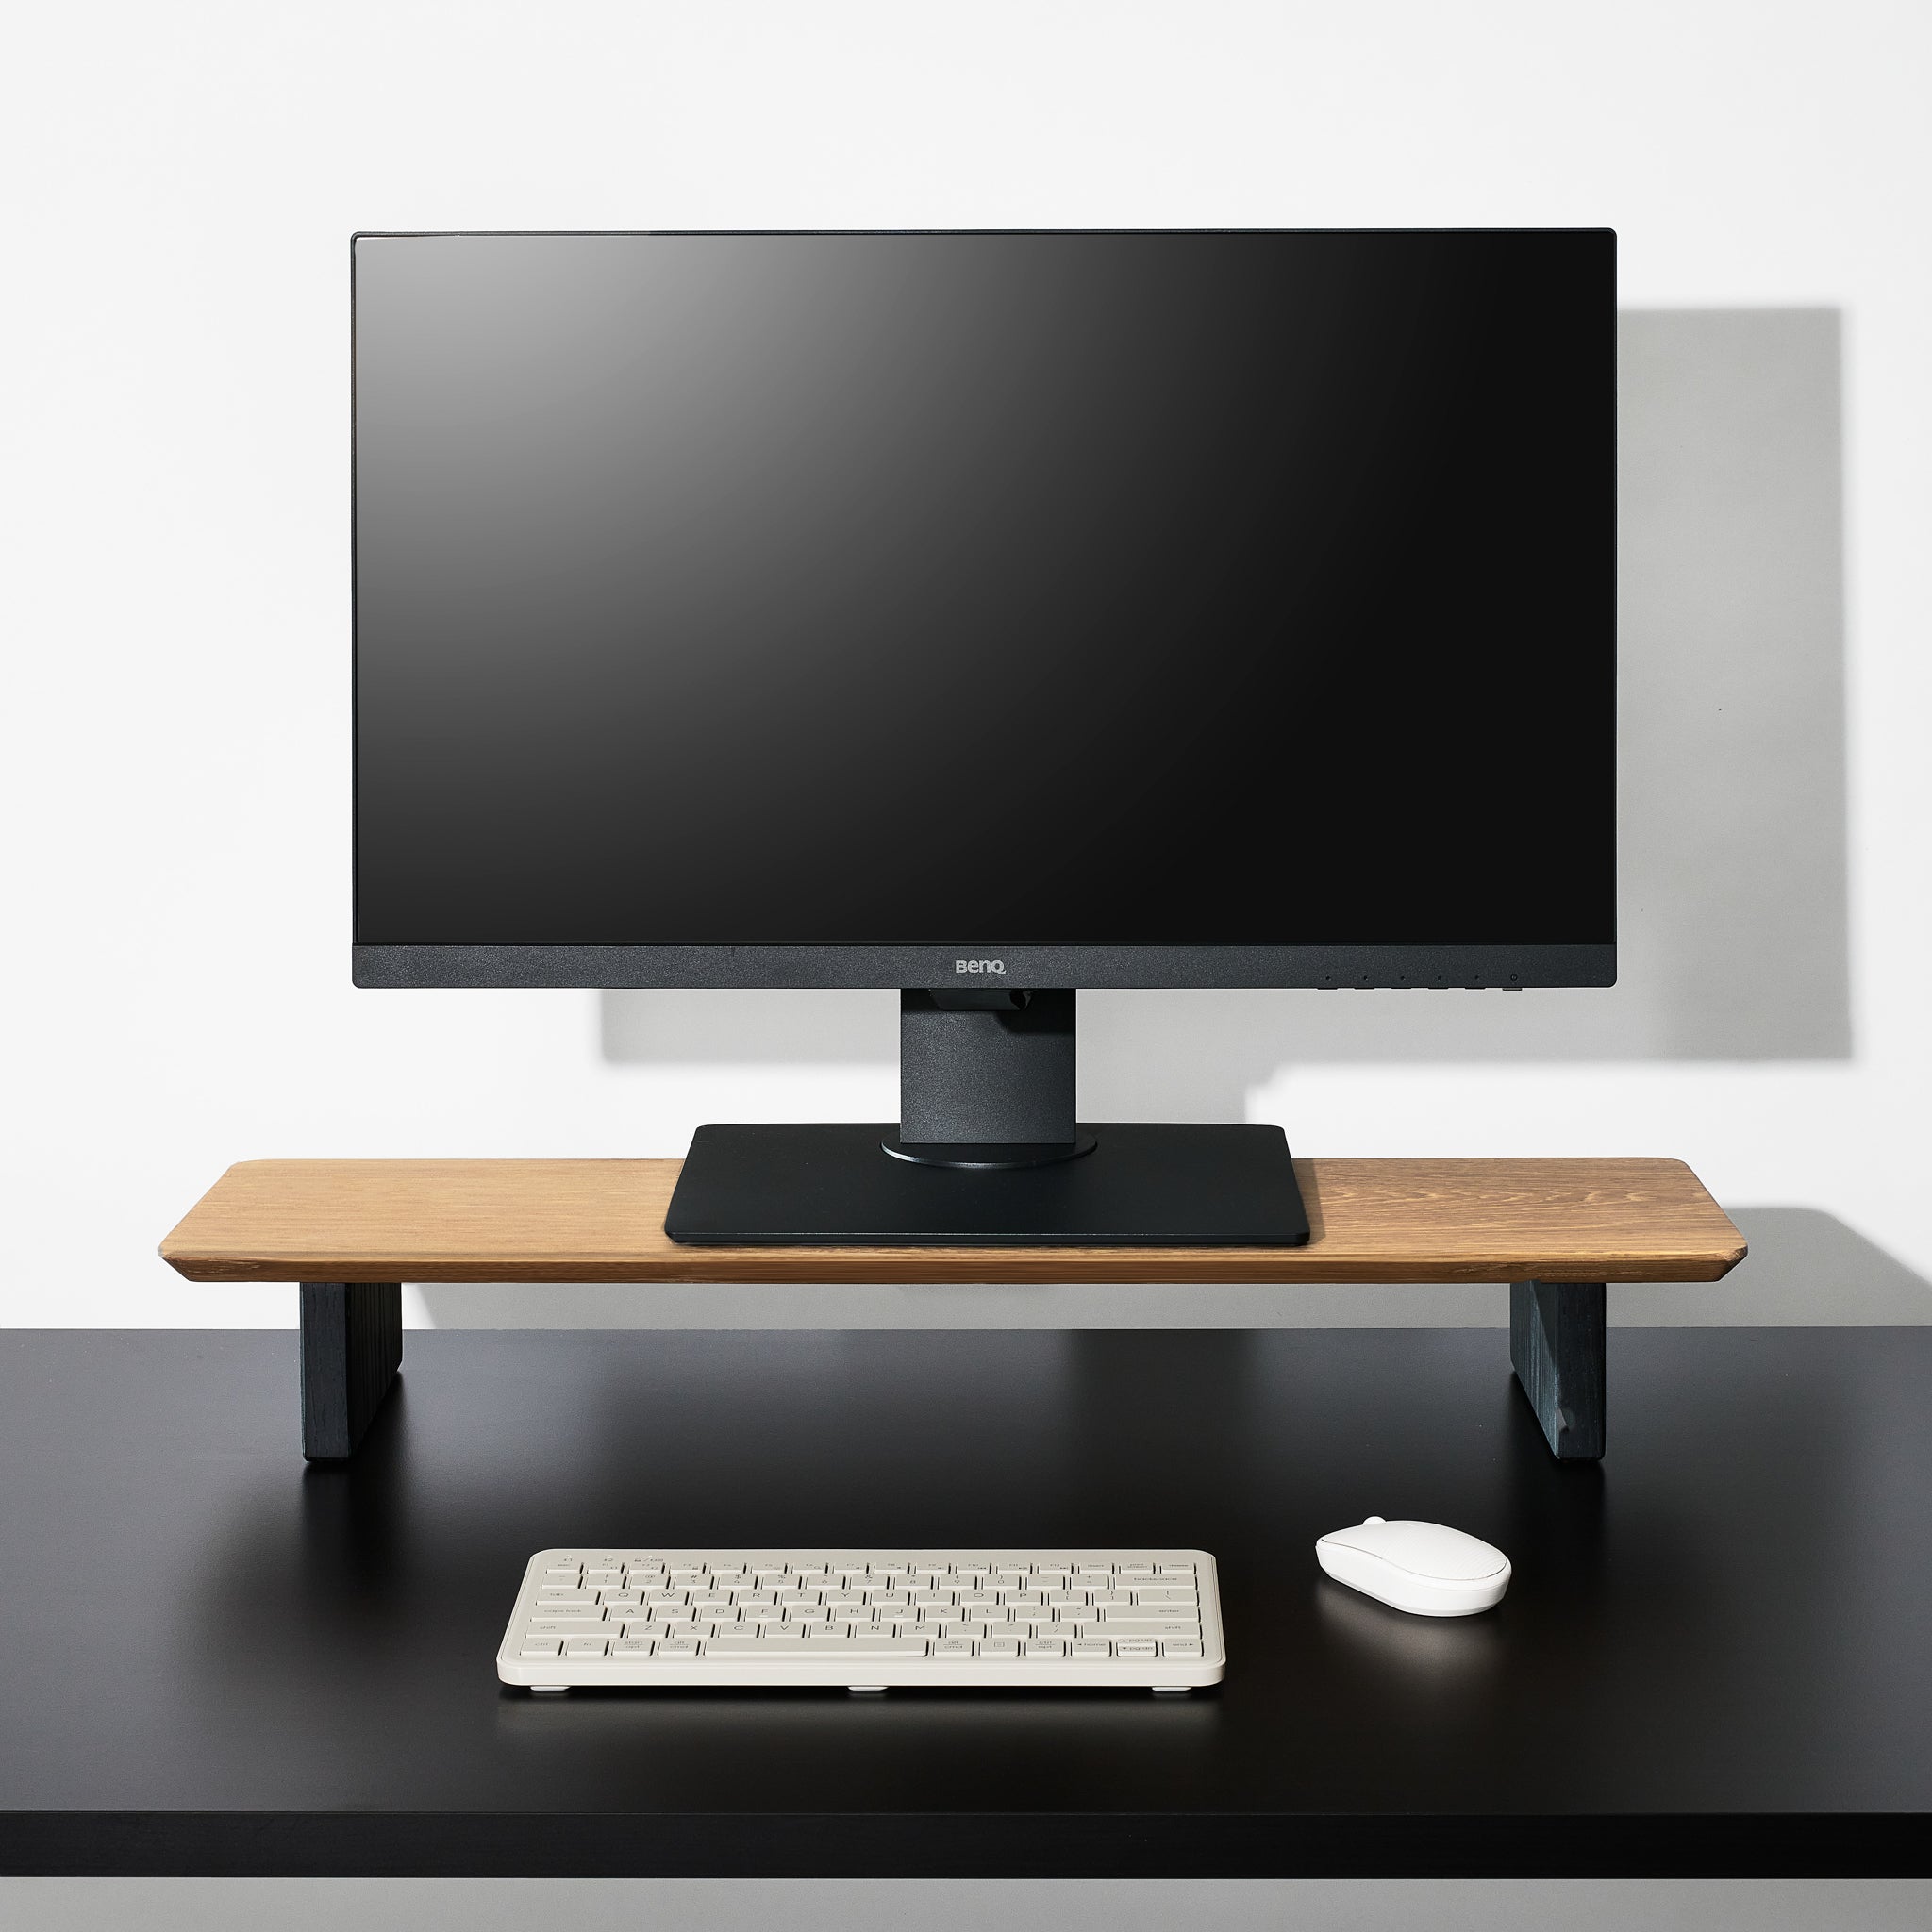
(1622, 1220)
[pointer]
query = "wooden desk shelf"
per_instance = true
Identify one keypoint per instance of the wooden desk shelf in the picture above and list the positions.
(352, 1231)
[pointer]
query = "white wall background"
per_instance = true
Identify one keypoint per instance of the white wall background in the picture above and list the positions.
(179, 184)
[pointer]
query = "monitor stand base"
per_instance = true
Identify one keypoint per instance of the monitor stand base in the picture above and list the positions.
(1142, 1186)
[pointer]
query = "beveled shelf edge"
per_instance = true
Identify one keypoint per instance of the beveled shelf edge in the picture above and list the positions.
(938, 1267)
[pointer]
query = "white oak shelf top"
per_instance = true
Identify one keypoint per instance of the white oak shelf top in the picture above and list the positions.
(1575, 1220)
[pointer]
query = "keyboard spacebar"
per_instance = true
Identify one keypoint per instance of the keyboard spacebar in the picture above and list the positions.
(853, 1646)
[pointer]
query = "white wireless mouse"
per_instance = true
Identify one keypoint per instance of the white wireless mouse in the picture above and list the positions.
(1423, 1567)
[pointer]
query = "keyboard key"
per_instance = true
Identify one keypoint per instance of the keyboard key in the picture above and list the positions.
(682, 1646)
(952, 1646)
(1045, 1647)
(1180, 1647)
(1000, 1647)
(1089, 1647)
(1144, 1626)
(631, 1646)
(1136, 1647)
(585, 1646)
(554, 1647)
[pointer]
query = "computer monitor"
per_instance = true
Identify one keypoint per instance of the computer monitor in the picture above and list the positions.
(986, 616)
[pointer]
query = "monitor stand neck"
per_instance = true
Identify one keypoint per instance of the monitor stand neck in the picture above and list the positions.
(986, 1078)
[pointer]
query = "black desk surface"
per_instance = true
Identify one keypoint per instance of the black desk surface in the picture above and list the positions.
(1716, 1656)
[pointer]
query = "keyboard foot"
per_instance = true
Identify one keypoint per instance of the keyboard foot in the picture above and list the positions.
(866, 1690)
(549, 1689)
(1171, 1690)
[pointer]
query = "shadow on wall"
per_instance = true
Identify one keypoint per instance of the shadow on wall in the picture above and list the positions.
(1805, 1269)
(1732, 782)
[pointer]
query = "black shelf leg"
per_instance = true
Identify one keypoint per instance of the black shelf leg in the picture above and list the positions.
(1556, 1345)
(352, 1345)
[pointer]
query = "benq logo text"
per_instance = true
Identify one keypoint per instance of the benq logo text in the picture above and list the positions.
(979, 965)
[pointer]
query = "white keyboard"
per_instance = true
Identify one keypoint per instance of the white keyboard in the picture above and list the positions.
(866, 1619)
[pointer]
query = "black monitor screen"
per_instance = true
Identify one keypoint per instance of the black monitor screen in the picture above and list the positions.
(1080, 588)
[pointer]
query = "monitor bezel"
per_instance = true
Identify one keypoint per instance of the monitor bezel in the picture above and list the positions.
(1151, 966)
(756, 966)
